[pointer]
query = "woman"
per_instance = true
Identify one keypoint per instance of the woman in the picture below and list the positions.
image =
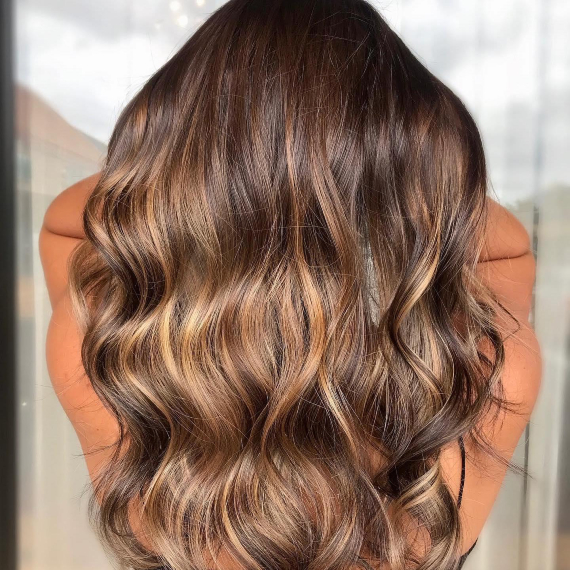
(289, 327)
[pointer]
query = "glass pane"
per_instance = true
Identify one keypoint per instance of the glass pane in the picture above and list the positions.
(78, 63)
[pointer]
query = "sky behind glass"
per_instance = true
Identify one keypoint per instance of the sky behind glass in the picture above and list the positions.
(87, 58)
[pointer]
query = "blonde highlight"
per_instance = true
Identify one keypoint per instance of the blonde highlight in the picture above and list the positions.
(278, 282)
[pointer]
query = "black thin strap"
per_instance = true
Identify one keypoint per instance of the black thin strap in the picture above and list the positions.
(462, 484)
(460, 497)
(464, 557)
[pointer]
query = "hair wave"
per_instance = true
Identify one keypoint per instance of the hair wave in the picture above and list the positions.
(279, 298)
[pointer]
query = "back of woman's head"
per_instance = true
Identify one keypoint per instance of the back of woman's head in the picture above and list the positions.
(279, 298)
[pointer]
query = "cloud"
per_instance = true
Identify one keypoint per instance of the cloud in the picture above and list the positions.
(84, 74)
(109, 19)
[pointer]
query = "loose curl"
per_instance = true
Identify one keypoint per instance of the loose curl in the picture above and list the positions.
(279, 299)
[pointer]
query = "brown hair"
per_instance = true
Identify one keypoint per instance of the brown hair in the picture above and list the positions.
(278, 284)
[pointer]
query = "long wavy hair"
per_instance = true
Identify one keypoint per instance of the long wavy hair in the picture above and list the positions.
(279, 300)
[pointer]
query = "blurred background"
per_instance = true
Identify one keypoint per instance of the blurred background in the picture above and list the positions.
(77, 62)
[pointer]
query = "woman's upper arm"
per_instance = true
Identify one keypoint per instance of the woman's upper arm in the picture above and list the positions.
(55, 252)
(61, 232)
(63, 216)
(505, 236)
(507, 267)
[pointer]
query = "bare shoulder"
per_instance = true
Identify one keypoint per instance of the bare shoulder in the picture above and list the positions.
(63, 216)
(507, 267)
(60, 234)
(94, 425)
(483, 475)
